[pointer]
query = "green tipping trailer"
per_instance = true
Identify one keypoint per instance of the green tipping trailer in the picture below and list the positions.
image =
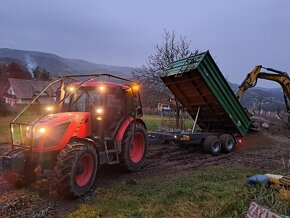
(197, 82)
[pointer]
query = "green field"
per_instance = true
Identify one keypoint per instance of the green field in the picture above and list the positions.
(209, 192)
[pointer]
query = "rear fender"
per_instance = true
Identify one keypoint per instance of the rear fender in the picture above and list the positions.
(122, 130)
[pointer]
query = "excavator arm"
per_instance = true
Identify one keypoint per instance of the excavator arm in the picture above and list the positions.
(278, 76)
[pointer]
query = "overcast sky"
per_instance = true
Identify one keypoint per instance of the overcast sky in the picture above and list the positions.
(239, 34)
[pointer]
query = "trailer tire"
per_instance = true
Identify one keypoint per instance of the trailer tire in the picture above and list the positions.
(134, 148)
(76, 169)
(227, 142)
(212, 145)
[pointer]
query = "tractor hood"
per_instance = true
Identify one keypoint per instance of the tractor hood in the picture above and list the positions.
(55, 130)
(53, 120)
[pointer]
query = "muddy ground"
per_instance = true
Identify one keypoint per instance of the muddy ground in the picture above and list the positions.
(265, 151)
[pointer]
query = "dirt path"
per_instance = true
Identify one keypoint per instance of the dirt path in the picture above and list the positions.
(258, 150)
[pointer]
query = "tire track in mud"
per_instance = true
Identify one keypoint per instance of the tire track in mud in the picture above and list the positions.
(162, 160)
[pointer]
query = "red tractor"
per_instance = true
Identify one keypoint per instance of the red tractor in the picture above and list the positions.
(91, 123)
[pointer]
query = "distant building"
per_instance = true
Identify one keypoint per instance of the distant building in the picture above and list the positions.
(163, 107)
(21, 91)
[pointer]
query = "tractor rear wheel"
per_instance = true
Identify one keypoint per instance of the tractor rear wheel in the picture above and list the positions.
(134, 148)
(212, 145)
(76, 169)
(228, 143)
(16, 167)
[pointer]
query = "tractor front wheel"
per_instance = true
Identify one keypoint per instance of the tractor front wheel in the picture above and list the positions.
(76, 169)
(134, 148)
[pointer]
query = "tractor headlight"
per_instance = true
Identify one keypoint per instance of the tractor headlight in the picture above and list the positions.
(42, 130)
(37, 132)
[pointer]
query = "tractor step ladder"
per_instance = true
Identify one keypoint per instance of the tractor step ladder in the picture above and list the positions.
(114, 152)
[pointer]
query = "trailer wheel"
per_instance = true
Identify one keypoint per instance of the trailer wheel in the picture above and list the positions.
(228, 143)
(16, 168)
(76, 169)
(212, 145)
(134, 148)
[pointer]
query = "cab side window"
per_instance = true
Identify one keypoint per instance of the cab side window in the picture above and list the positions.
(79, 102)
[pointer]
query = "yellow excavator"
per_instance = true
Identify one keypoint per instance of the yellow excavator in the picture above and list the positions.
(278, 76)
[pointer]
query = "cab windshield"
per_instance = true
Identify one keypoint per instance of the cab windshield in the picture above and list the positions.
(82, 100)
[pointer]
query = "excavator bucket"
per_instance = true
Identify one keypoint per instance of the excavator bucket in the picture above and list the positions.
(197, 82)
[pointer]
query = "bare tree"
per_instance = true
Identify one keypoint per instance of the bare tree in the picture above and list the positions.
(171, 49)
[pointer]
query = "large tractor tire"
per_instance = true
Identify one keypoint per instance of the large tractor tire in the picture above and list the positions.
(76, 169)
(134, 148)
(228, 143)
(212, 145)
(16, 168)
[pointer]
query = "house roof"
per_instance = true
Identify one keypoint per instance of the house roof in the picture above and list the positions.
(26, 89)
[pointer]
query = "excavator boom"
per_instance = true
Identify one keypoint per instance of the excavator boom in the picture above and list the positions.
(278, 76)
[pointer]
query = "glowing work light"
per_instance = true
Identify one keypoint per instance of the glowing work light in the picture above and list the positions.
(71, 88)
(136, 87)
(102, 88)
(99, 110)
(100, 113)
(49, 108)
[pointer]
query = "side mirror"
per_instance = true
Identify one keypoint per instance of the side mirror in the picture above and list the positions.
(139, 112)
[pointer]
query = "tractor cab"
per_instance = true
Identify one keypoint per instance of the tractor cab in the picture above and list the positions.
(108, 104)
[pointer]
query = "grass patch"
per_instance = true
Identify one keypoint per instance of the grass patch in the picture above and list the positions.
(5, 129)
(211, 192)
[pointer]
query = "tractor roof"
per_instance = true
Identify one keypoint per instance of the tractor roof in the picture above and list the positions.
(92, 84)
